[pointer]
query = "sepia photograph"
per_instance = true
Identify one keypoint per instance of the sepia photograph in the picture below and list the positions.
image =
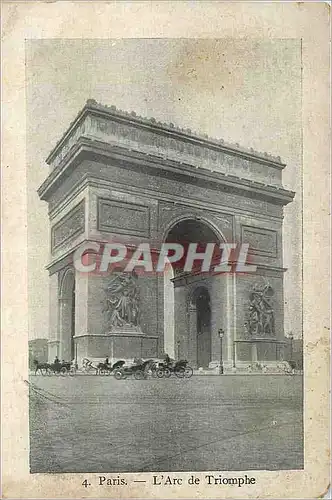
(164, 255)
(165, 231)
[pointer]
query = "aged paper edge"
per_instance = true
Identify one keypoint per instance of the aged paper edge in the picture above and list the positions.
(306, 21)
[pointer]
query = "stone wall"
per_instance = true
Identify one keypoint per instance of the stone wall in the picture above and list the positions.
(138, 180)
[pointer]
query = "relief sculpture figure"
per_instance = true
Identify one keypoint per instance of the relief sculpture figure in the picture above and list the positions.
(122, 301)
(260, 320)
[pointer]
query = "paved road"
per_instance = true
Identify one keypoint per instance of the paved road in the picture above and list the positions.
(98, 424)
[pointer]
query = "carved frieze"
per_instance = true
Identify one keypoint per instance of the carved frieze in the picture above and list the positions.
(261, 241)
(259, 321)
(146, 137)
(180, 149)
(150, 138)
(69, 143)
(70, 226)
(120, 217)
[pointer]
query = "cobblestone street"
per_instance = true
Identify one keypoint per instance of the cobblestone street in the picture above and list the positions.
(99, 424)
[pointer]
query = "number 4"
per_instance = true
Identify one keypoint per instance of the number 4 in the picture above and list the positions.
(85, 483)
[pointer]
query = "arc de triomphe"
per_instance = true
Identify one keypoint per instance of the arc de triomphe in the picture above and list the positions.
(116, 175)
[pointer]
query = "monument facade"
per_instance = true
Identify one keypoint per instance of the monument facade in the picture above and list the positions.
(115, 176)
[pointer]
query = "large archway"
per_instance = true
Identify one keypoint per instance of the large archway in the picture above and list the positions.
(193, 230)
(187, 297)
(67, 316)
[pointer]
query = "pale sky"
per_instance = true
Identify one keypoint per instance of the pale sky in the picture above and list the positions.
(243, 91)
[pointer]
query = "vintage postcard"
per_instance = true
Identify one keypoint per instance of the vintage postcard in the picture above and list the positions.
(165, 250)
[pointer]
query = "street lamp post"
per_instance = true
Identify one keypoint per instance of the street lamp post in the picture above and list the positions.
(76, 365)
(221, 336)
(291, 345)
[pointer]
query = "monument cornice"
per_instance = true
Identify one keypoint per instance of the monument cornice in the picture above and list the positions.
(86, 149)
(151, 125)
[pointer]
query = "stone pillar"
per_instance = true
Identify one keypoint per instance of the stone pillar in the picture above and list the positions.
(181, 322)
(81, 316)
(168, 309)
(54, 333)
(254, 356)
(231, 320)
(65, 331)
(165, 319)
(192, 335)
(219, 316)
(223, 302)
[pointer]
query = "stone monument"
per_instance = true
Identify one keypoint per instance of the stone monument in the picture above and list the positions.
(116, 175)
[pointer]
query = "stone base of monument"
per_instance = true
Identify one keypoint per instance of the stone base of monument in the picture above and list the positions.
(125, 344)
(128, 345)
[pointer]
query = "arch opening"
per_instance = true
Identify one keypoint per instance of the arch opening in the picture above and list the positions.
(187, 314)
